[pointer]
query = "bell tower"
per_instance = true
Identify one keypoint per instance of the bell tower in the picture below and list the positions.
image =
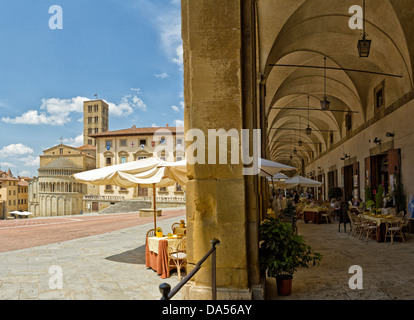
(95, 119)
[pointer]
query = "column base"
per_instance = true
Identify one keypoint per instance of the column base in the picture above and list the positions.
(192, 292)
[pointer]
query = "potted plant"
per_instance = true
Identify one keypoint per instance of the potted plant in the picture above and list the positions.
(282, 252)
(379, 196)
(158, 232)
(370, 204)
(399, 193)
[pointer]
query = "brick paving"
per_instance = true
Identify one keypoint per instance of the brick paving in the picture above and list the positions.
(32, 232)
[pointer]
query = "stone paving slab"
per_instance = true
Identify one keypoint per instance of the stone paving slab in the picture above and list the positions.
(387, 268)
(109, 266)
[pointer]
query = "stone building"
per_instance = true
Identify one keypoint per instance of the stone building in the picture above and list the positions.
(126, 145)
(55, 192)
(293, 70)
(13, 193)
(95, 119)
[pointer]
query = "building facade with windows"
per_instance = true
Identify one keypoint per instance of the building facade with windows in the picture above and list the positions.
(55, 192)
(13, 193)
(121, 146)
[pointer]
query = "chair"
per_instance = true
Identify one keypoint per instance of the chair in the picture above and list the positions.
(150, 233)
(359, 225)
(406, 229)
(352, 220)
(394, 229)
(400, 214)
(328, 215)
(174, 225)
(369, 227)
(299, 212)
(177, 256)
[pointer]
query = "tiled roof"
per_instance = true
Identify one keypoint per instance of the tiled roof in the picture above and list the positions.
(87, 147)
(60, 163)
(23, 183)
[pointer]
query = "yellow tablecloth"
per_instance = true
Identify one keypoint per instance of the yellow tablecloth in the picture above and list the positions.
(378, 220)
(314, 209)
(153, 243)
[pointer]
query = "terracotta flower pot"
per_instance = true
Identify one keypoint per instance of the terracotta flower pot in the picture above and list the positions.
(284, 285)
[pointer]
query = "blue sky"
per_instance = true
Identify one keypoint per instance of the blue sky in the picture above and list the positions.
(128, 52)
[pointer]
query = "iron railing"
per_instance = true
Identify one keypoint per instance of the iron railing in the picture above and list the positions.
(165, 288)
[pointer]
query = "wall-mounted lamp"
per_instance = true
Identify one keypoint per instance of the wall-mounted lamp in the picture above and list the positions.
(346, 156)
(377, 141)
(389, 134)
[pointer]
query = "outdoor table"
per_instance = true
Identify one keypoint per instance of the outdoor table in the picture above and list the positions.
(381, 225)
(313, 214)
(156, 254)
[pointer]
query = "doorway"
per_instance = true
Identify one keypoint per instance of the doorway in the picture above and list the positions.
(348, 182)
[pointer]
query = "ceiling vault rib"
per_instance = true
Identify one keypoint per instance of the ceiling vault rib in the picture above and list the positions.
(334, 68)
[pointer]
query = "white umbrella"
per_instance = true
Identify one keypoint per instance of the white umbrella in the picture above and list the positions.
(280, 176)
(301, 181)
(150, 172)
(269, 168)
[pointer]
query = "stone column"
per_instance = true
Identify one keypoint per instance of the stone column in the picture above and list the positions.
(221, 201)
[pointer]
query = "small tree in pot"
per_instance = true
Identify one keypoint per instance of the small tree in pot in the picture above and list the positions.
(281, 253)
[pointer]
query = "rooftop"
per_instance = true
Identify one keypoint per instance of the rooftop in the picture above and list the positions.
(134, 131)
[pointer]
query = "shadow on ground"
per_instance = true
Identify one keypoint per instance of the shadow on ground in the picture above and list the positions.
(134, 256)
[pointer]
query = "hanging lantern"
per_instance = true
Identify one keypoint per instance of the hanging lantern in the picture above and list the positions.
(300, 143)
(308, 131)
(364, 47)
(325, 104)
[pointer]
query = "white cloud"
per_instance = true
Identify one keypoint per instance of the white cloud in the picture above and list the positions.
(30, 161)
(53, 111)
(74, 142)
(179, 123)
(154, 125)
(175, 108)
(166, 20)
(56, 112)
(178, 59)
(127, 106)
(182, 105)
(13, 150)
(162, 75)
(4, 165)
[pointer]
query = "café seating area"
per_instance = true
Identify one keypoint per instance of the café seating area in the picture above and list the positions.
(379, 226)
(165, 252)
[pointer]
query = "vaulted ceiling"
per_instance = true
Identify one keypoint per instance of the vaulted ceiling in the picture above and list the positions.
(303, 32)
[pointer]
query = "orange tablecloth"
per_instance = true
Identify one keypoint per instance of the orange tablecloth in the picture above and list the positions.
(159, 261)
(313, 214)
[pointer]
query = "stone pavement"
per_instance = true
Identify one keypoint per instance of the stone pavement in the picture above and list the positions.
(387, 268)
(109, 266)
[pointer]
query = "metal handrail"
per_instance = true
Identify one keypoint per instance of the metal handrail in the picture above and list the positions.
(165, 288)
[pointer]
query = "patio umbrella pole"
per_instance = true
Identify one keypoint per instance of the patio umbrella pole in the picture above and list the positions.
(155, 214)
